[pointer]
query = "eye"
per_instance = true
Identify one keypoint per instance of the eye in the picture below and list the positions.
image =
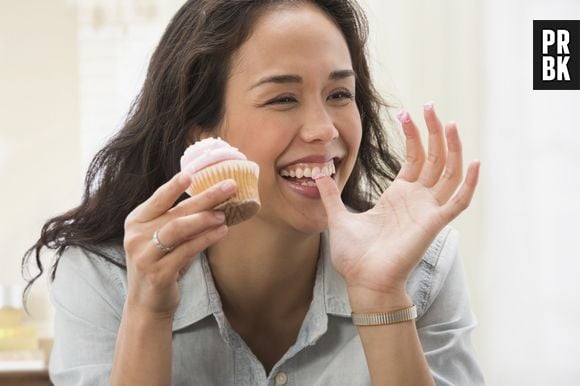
(341, 95)
(282, 100)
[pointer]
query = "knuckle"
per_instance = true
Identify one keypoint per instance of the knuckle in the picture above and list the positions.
(157, 204)
(209, 197)
(214, 193)
(413, 158)
(207, 217)
(129, 221)
(434, 158)
(131, 241)
(173, 226)
(449, 174)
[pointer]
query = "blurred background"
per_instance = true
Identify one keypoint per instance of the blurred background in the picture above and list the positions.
(69, 70)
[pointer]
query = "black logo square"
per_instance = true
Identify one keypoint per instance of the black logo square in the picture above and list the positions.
(556, 54)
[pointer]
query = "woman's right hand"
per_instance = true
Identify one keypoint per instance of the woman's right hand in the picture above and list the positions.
(188, 228)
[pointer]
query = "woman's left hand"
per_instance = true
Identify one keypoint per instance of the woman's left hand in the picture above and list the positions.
(376, 251)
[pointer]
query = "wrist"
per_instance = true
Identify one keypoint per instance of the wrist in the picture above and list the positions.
(364, 300)
(146, 316)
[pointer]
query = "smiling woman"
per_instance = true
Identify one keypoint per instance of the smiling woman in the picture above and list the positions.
(346, 275)
(304, 109)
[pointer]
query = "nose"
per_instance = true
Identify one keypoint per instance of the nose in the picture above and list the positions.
(318, 125)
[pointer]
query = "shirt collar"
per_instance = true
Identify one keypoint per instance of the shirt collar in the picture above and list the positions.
(199, 297)
(335, 294)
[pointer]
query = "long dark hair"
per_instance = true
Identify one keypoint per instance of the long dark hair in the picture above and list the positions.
(184, 88)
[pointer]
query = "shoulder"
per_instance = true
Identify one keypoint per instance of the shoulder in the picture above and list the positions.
(103, 262)
(86, 283)
(428, 277)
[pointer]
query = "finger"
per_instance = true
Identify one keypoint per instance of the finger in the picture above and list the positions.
(330, 196)
(436, 156)
(453, 174)
(162, 199)
(208, 199)
(183, 228)
(462, 199)
(415, 154)
(174, 263)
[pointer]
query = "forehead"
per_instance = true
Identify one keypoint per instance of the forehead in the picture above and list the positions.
(293, 39)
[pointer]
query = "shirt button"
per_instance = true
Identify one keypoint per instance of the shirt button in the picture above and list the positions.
(281, 378)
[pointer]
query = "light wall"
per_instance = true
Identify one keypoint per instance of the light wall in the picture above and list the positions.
(39, 129)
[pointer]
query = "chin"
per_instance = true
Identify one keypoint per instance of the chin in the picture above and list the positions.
(310, 224)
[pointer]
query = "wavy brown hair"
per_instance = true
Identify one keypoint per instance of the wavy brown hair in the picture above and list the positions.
(184, 88)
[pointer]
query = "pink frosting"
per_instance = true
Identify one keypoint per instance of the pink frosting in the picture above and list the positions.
(208, 152)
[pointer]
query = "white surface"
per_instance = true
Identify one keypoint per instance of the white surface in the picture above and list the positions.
(531, 257)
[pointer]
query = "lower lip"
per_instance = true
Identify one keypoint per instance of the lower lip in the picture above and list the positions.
(306, 191)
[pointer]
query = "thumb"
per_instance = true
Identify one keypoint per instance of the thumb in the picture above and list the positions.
(330, 196)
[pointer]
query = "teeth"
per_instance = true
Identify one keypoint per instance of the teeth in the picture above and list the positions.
(308, 183)
(327, 169)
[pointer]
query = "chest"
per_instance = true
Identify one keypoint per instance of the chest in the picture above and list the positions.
(204, 355)
(269, 349)
(269, 343)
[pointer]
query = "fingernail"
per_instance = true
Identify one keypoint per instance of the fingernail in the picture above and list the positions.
(220, 216)
(317, 176)
(228, 186)
(403, 116)
(429, 105)
(184, 178)
(222, 230)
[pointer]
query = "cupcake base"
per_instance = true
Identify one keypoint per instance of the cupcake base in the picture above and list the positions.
(246, 202)
(236, 212)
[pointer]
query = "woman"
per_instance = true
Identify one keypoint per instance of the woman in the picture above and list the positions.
(269, 300)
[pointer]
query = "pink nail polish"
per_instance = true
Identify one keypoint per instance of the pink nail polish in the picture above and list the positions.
(429, 105)
(317, 176)
(403, 116)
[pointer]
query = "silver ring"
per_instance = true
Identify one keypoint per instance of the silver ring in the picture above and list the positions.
(163, 248)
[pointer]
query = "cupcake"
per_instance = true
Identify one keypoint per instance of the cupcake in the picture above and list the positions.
(212, 160)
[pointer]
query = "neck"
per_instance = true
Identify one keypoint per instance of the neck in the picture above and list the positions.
(271, 275)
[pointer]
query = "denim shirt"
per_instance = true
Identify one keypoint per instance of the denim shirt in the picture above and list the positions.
(88, 294)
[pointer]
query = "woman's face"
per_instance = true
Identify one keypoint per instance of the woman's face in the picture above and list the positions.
(290, 107)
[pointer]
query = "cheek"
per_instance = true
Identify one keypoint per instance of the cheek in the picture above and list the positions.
(352, 137)
(260, 138)
(262, 149)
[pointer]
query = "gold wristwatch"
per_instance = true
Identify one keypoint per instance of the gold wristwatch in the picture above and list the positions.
(383, 318)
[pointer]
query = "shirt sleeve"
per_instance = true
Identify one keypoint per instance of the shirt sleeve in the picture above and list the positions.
(445, 327)
(88, 305)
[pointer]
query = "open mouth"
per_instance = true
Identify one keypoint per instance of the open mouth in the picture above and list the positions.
(302, 173)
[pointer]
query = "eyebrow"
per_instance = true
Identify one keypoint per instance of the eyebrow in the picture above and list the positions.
(291, 78)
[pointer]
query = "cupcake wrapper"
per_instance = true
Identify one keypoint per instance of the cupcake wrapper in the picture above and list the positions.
(246, 202)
